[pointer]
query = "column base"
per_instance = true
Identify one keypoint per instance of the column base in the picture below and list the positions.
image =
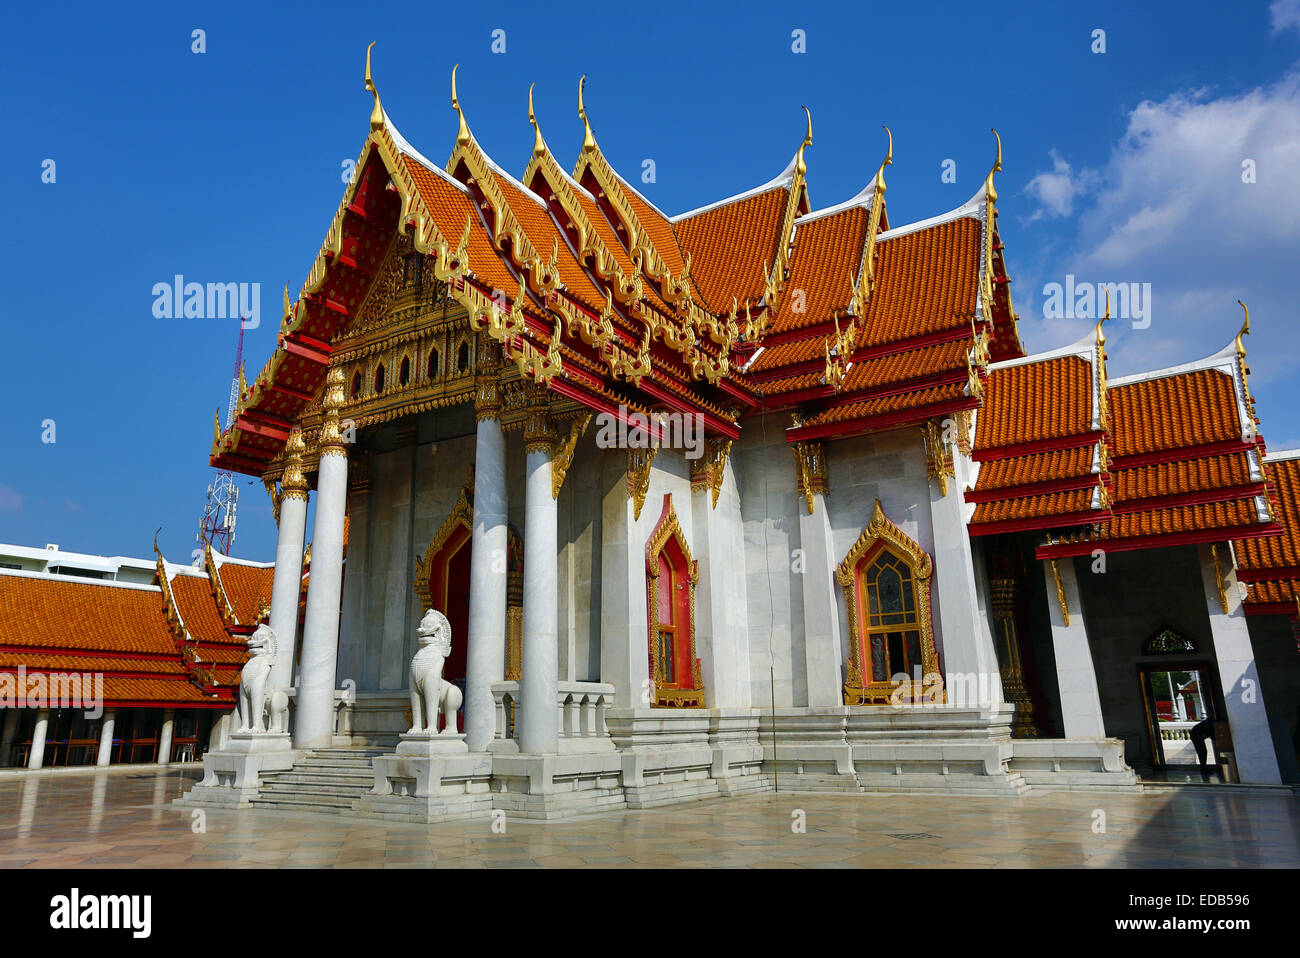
(431, 743)
(230, 776)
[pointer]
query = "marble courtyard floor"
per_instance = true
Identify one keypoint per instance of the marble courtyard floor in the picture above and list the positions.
(123, 819)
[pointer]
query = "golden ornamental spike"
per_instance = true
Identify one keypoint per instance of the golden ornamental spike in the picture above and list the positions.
(462, 134)
(1245, 331)
(588, 138)
(1101, 333)
(887, 161)
(990, 192)
(377, 114)
(539, 145)
(800, 166)
(287, 305)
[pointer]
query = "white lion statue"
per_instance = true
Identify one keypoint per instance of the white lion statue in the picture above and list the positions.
(254, 702)
(431, 694)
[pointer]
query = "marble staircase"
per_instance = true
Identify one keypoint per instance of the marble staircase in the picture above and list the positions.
(326, 780)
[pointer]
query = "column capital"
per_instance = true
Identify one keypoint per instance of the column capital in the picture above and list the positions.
(487, 383)
(331, 440)
(293, 482)
(539, 432)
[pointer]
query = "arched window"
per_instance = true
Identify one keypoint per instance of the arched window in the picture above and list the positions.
(886, 581)
(462, 358)
(671, 575)
(433, 363)
(404, 371)
(379, 380)
(356, 384)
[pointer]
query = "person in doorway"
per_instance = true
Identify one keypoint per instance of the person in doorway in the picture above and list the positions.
(1200, 732)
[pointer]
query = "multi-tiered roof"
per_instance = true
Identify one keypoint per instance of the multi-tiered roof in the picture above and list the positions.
(761, 303)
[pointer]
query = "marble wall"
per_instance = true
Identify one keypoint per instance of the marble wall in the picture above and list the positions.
(889, 467)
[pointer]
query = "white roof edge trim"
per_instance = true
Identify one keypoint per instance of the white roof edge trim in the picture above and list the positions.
(863, 198)
(81, 580)
(974, 209)
(1225, 361)
(1281, 455)
(781, 181)
(1083, 348)
(404, 146)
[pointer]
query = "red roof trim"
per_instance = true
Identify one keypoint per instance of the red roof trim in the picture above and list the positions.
(1063, 550)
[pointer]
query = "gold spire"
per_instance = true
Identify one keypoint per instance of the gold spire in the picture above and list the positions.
(990, 192)
(588, 138)
(287, 304)
(1101, 333)
(800, 167)
(1245, 331)
(377, 114)
(887, 161)
(462, 134)
(539, 145)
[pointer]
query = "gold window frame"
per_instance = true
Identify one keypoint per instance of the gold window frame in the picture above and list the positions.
(857, 689)
(668, 530)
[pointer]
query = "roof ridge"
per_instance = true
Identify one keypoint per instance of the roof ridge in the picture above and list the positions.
(972, 208)
(1080, 347)
(861, 199)
(1282, 455)
(1225, 356)
(780, 182)
(79, 580)
(405, 147)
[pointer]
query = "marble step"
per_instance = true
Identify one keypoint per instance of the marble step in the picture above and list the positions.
(290, 789)
(311, 777)
(339, 803)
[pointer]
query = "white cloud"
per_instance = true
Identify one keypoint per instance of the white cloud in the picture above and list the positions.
(1057, 189)
(1170, 208)
(1284, 15)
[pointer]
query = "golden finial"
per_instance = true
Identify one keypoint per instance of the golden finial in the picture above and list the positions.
(800, 167)
(287, 304)
(588, 138)
(155, 541)
(888, 160)
(377, 114)
(462, 134)
(990, 193)
(1245, 331)
(539, 145)
(1101, 333)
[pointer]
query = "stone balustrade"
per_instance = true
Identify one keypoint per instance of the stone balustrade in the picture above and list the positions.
(580, 706)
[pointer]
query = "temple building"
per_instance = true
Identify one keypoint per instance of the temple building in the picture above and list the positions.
(108, 661)
(761, 491)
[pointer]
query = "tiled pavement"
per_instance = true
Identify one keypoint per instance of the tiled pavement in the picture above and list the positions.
(123, 818)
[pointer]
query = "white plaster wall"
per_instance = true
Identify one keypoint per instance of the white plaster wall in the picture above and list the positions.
(579, 534)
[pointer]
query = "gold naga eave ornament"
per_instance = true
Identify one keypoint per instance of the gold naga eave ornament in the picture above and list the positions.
(709, 470)
(563, 458)
(638, 476)
(1060, 592)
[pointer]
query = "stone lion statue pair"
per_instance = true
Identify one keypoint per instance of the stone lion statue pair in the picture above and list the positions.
(261, 709)
(431, 694)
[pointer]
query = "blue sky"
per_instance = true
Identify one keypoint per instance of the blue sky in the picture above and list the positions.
(225, 166)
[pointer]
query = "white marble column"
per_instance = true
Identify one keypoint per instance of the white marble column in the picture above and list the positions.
(36, 755)
(822, 644)
(539, 677)
(165, 737)
(485, 653)
(624, 623)
(287, 584)
(1252, 741)
(1076, 676)
(970, 662)
(314, 721)
(106, 726)
(7, 736)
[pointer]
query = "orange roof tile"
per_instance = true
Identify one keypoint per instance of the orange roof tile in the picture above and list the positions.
(885, 405)
(1034, 507)
(84, 614)
(825, 262)
(1281, 551)
(1032, 402)
(1183, 476)
(1202, 517)
(1173, 412)
(1040, 467)
(448, 205)
(198, 608)
(249, 587)
(729, 244)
